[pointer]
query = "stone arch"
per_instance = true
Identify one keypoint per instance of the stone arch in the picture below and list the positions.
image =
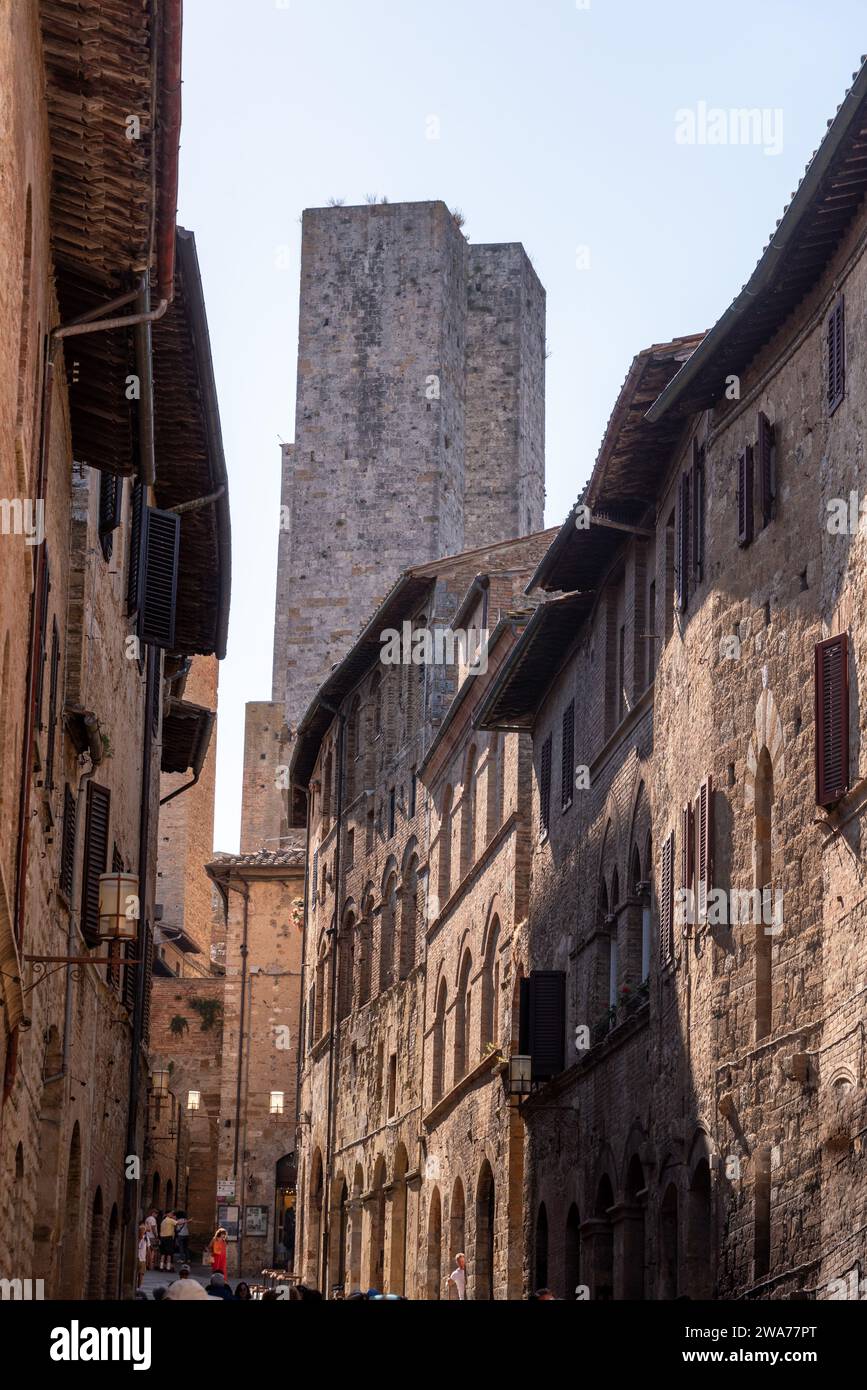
(71, 1245)
(444, 850)
(434, 1279)
(669, 1236)
(601, 1236)
(439, 1040)
(346, 963)
(399, 1232)
(483, 1263)
(387, 923)
(95, 1271)
(315, 1195)
(699, 1251)
(457, 1223)
(468, 812)
(768, 733)
(463, 1017)
(633, 1239)
(409, 911)
(365, 946)
(490, 1032)
(338, 1230)
(46, 1231)
(376, 1245)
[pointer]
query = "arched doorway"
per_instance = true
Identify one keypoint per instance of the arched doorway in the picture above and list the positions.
(485, 1228)
(376, 1262)
(603, 1242)
(71, 1246)
(285, 1186)
(457, 1228)
(339, 1231)
(355, 1231)
(314, 1221)
(170, 1195)
(111, 1289)
(155, 1192)
(45, 1232)
(668, 1244)
(699, 1268)
(633, 1234)
(397, 1272)
(95, 1277)
(435, 1247)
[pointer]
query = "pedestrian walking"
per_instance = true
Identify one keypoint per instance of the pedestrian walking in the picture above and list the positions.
(182, 1238)
(218, 1288)
(458, 1277)
(167, 1241)
(153, 1237)
(217, 1248)
(143, 1247)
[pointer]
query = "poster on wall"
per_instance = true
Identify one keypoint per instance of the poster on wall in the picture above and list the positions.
(256, 1221)
(225, 1189)
(229, 1218)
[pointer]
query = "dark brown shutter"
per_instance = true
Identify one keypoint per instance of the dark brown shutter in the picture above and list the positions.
(698, 506)
(42, 620)
(130, 949)
(52, 706)
(836, 383)
(547, 1023)
(832, 719)
(67, 843)
(766, 447)
(745, 495)
(161, 534)
(704, 837)
(666, 901)
(146, 951)
(545, 786)
(133, 577)
(110, 495)
(95, 853)
(567, 758)
(682, 551)
(687, 840)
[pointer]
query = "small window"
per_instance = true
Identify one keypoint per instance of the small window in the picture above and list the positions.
(545, 787)
(276, 1105)
(392, 1084)
(413, 794)
(835, 386)
(369, 832)
(392, 812)
(350, 849)
(567, 759)
(194, 1101)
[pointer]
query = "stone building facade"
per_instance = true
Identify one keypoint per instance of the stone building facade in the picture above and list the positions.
(105, 591)
(263, 904)
(697, 878)
(408, 1148)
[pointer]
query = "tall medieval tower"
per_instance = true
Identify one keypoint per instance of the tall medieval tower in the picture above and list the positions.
(419, 432)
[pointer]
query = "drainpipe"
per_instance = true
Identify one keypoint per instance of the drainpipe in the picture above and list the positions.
(245, 894)
(335, 930)
(303, 1023)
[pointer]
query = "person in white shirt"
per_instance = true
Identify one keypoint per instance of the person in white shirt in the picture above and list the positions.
(458, 1276)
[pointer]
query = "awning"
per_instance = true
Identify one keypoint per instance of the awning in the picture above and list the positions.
(186, 736)
(534, 663)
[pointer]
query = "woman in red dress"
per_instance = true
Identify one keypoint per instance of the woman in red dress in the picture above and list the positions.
(218, 1252)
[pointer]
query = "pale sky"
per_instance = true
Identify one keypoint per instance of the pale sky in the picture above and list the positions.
(558, 127)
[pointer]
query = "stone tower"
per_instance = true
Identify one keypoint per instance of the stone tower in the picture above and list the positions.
(419, 432)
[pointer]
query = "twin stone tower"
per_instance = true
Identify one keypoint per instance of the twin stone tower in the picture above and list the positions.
(419, 433)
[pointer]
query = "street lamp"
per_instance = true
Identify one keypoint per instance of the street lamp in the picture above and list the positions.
(520, 1075)
(160, 1084)
(118, 907)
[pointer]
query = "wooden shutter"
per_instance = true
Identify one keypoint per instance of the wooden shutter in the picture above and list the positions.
(42, 620)
(129, 974)
(698, 507)
(95, 852)
(682, 548)
(745, 495)
(567, 759)
(67, 843)
(687, 840)
(704, 838)
(146, 943)
(666, 901)
(547, 1023)
(766, 447)
(133, 577)
(110, 496)
(836, 382)
(52, 707)
(161, 534)
(545, 786)
(832, 719)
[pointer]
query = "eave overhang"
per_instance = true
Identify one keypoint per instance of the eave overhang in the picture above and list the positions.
(534, 663)
(186, 736)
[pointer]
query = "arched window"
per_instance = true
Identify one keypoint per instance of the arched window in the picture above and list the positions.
(387, 921)
(435, 1247)
(762, 858)
(468, 815)
(352, 752)
(320, 1026)
(444, 853)
(494, 786)
(541, 1248)
(457, 1227)
(345, 966)
(633, 1244)
(603, 1242)
(491, 987)
(485, 1227)
(668, 1244)
(439, 1042)
(365, 951)
(463, 1018)
(376, 1263)
(397, 1265)
(408, 917)
(699, 1264)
